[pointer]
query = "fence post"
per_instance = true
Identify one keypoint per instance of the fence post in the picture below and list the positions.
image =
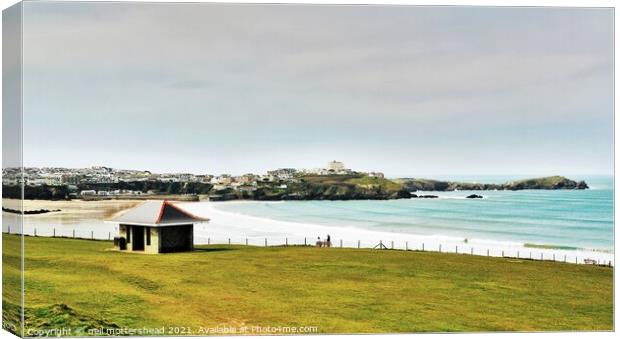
(487, 252)
(286, 242)
(358, 244)
(406, 246)
(9, 229)
(92, 235)
(553, 256)
(340, 243)
(439, 248)
(392, 246)
(472, 251)
(517, 254)
(246, 241)
(422, 247)
(54, 234)
(228, 241)
(576, 260)
(209, 241)
(541, 256)
(564, 257)
(109, 235)
(502, 254)
(35, 231)
(530, 255)
(305, 242)
(265, 242)
(456, 249)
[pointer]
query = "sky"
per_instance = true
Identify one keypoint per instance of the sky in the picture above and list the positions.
(222, 88)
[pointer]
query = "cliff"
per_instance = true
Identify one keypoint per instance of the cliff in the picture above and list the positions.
(548, 183)
(335, 187)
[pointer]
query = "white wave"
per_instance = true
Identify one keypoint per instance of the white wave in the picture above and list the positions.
(238, 227)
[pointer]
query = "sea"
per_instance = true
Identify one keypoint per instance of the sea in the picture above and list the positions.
(563, 219)
(570, 225)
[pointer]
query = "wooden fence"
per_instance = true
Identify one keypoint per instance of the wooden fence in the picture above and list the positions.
(522, 254)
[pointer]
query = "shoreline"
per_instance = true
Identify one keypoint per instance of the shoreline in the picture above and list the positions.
(238, 227)
(526, 244)
(86, 220)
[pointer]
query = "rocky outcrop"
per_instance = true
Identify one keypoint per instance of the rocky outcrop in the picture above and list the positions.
(362, 187)
(424, 196)
(548, 183)
(41, 211)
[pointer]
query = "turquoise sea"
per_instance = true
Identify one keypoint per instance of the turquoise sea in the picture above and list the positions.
(574, 218)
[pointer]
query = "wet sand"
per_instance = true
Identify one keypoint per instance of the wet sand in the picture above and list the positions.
(73, 209)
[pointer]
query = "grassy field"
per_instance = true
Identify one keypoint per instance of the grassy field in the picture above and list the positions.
(82, 284)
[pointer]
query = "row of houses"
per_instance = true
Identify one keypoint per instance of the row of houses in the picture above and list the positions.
(86, 193)
(54, 176)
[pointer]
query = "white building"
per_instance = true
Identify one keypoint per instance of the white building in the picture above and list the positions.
(335, 166)
(224, 179)
(282, 173)
(53, 180)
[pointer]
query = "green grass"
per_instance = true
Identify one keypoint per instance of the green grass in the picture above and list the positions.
(374, 182)
(353, 179)
(82, 284)
(547, 181)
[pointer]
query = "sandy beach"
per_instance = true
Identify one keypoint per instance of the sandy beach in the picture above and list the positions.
(87, 219)
(72, 208)
(224, 225)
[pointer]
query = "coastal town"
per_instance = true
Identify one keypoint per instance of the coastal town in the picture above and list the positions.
(101, 181)
(334, 181)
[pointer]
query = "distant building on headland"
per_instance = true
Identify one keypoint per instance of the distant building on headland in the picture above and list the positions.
(332, 167)
(335, 166)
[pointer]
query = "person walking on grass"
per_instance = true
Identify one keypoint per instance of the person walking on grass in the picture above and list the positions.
(329, 241)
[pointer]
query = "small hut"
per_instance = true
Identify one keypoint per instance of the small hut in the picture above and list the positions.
(156, 226)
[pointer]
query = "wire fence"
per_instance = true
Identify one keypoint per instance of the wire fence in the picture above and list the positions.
(420, 246)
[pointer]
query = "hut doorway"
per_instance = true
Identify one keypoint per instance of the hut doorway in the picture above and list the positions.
(137, 236)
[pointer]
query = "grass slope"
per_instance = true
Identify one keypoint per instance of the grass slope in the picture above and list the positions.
(338, 290)
(349, 186)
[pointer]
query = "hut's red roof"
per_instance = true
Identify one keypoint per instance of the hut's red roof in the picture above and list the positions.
(157, 213)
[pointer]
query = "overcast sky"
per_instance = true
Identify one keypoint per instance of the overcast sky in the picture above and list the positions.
(215, 88)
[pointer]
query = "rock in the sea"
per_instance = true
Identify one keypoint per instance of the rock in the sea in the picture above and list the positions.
(428, 196)
(582, 185)
(474, 196)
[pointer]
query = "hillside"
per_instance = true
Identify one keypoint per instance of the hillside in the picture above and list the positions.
(81, 284)
(549, 183)
(355, 186)
(325, 187)
(346, 187)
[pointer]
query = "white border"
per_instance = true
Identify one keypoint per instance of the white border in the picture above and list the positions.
(503, 3)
